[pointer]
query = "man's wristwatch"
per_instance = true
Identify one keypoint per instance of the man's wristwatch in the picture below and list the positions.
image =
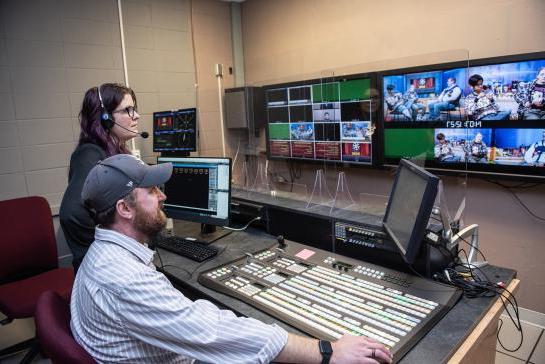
(326, 350)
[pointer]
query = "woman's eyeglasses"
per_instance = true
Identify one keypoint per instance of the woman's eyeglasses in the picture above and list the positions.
(130, 110)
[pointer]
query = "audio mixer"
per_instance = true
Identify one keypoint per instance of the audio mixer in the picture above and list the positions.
(327, 295)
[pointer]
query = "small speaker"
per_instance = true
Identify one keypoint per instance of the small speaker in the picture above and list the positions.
(244, 109)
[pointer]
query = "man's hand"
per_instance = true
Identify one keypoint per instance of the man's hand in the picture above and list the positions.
(358, 349)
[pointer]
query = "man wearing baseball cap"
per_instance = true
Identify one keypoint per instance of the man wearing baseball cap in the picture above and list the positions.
(123, 310)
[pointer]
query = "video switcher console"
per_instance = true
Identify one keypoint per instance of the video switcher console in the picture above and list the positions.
(327, 295)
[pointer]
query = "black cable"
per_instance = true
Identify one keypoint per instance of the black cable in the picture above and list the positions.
(464, 240)
(474, 247)
(177, 267)
(244, 227)
(450, 255)
(169, 265)
(478, 287)
(522, 204)
(208, 261)
(159, 256)
(522, 185)
(526, 207)
(472, 267)
(516, 323)
(425, 289)
(441, 248)
(483, 288)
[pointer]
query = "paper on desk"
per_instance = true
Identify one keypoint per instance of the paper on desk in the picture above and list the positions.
(305, 254)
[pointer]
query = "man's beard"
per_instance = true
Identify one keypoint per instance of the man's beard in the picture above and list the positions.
(149, 224)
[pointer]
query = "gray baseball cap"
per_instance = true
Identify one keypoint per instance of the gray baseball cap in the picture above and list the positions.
(115, 177)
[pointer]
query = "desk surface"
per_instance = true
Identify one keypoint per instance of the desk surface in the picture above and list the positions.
(371, 214)
(436, 347)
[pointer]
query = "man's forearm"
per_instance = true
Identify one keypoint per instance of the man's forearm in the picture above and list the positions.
(299, 349)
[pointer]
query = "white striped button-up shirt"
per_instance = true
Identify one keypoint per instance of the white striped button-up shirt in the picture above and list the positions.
(124, 311)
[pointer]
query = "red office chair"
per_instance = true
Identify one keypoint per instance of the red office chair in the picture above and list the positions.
(28, 262)
(52, 319)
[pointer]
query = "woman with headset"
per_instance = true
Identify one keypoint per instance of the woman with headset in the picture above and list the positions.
(108, 119)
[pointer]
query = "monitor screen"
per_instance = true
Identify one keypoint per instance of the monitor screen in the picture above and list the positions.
(313, 120)
(199, 189)
(277, 97)
(175, 131)
(487, 117)
(409, 208)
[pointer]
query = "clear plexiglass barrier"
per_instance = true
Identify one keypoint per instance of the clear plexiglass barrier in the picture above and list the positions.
(331, 139)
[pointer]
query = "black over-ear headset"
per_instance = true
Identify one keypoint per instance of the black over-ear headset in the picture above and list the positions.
(105, 118)
(108, 122)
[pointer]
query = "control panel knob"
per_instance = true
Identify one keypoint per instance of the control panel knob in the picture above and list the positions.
(249, 257)
(281, 241)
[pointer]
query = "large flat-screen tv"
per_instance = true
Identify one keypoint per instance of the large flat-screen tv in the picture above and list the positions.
(486, 116)
(321, 120)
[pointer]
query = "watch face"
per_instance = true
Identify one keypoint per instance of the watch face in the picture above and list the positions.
(325, 347)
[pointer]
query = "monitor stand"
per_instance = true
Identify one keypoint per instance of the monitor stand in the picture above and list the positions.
(202, 232)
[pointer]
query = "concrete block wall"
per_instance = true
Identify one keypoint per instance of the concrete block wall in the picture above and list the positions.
(52, 51)
(211, 24)
(159, 60)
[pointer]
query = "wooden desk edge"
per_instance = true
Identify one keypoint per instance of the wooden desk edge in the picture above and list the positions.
(478, 333)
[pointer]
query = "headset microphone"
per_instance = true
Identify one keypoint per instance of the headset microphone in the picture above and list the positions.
(107, 120)
(143, 134)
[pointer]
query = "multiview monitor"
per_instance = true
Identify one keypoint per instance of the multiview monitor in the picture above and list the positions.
(175, 131)
(199, 190)
(324, 121)
(487, 117)
(409, 208)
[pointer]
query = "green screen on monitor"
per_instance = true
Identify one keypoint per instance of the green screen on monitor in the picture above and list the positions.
(279, 131)
(325, 92)
(355, 89)
(404, 143)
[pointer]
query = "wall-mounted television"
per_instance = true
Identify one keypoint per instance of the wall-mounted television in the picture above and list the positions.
(486, 116)
(321, 120)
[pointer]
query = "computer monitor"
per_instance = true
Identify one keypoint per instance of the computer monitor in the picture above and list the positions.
(174, 132)
(199, 189)
(409, 208)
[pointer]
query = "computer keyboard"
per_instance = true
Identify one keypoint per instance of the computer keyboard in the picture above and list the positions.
(184, 247)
